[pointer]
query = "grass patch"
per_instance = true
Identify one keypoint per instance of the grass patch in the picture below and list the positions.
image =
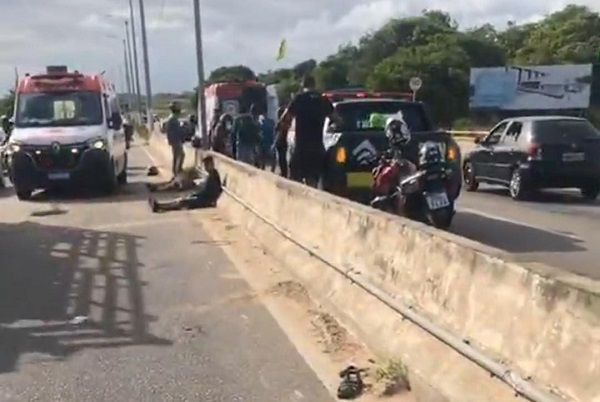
(392, 377)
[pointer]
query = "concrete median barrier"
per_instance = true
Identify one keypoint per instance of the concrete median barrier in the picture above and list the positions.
(538, 324)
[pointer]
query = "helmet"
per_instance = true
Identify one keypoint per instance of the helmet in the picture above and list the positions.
(396, 131)
(430, 153)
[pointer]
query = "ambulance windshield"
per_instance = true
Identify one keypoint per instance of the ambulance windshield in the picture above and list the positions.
(58, 109)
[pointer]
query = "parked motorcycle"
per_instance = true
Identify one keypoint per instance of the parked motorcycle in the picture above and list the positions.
(415, 191)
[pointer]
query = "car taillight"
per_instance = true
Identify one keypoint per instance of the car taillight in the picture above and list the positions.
(340, 155)
(451, 153)
(534, 152)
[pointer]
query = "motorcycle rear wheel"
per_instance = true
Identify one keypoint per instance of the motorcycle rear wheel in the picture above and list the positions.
(441, 218)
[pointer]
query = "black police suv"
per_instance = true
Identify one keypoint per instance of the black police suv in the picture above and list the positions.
(352, 149)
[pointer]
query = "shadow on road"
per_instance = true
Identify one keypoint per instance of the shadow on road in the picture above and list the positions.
(51, 274)
(511, 237)
(131, 192)
(562, 197)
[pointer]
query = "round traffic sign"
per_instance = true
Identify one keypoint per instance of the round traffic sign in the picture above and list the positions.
(415, 83)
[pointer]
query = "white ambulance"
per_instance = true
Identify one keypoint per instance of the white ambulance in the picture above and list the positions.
(68, 130)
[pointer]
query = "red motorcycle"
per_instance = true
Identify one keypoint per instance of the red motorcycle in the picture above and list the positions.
(415, 192)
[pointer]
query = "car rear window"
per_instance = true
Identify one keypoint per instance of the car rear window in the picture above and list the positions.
(358, 116)
(564, 130)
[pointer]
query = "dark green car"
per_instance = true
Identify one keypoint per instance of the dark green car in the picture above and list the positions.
(352, 150)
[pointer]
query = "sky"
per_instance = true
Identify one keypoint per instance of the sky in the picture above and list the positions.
(87, 34)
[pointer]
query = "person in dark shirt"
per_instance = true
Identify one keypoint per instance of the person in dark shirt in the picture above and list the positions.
(246, 133)
(206, 194)
(310, 109)
(280, 145)
(217, 113)
(222, 136)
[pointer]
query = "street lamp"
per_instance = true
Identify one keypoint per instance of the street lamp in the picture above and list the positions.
(136, 67)
(149, 114)
(131, 41)
(127, 74)
(127, 64)
(200, 71)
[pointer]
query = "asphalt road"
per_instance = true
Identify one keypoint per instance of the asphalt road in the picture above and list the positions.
(167, 317)
(558, 228)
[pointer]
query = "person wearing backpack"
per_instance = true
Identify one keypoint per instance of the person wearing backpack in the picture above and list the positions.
(246, 133)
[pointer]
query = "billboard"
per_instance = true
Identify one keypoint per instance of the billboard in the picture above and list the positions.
(531, 87)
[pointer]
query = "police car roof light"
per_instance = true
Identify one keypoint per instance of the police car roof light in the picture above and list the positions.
(345, 94)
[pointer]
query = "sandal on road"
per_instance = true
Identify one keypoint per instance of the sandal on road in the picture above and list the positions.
(352, 384)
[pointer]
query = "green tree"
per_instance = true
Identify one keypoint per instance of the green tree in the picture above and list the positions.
(443, 67)
(571, 35)
(231, 73)
(434, 47)
(7, 104)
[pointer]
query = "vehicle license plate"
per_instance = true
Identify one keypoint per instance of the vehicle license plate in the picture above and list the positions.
(573, 157)
(437, 201)
(59, 176)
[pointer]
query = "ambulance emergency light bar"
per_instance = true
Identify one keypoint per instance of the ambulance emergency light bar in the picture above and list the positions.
(339, 95)
(57, 79)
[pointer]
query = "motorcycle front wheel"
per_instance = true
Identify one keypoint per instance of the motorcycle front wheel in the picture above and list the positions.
(441, 218)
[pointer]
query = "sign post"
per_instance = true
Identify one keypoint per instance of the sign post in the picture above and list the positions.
(415, 84)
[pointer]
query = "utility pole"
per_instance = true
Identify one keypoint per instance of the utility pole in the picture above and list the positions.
(127, 75)
(200, 68)
(136, 68)
(149, 113)
(133, 91)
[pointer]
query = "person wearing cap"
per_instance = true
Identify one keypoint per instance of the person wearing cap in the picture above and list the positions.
(206, 194)
(175, 137)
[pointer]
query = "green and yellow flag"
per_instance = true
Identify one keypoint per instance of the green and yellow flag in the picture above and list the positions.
(282, 50)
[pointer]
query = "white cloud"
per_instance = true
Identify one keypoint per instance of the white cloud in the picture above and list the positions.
(87, 34)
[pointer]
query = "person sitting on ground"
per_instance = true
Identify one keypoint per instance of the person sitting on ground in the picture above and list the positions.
(206, 194)
(183, 182)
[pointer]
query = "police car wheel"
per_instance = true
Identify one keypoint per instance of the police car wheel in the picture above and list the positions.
(24, 195)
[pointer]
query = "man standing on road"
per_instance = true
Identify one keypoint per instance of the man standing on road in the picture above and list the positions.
(175, 136)
(310, 109)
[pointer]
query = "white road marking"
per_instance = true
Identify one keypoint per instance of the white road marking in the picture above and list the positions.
(151, 157)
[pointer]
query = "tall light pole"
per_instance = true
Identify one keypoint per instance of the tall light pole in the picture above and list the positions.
(135, 91)
(149, 113)
(136, 68)
(127, 74)
(200, 68)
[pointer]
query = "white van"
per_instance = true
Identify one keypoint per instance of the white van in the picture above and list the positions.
(68, 130)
